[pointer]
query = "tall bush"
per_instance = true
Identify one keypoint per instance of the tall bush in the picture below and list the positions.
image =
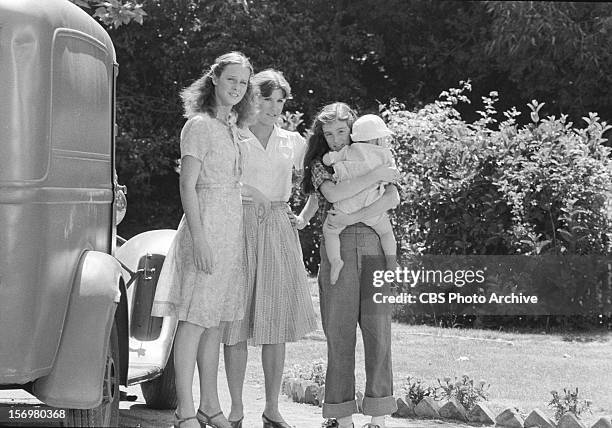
(499, 188)
(492, 187)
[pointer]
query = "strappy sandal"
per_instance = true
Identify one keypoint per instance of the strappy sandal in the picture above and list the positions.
(178, 421)
(236, 424)
(269, 423)
(332, 423)
(207, 421)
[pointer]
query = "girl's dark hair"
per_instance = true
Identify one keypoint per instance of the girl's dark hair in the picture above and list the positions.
(199, 97)
(317, 145)
(267, 81)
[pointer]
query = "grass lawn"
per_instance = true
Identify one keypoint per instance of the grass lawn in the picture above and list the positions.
(521, 368)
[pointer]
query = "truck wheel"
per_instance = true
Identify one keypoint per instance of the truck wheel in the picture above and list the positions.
(160, 393)
(107, 413)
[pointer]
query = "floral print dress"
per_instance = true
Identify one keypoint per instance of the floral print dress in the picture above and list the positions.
(183, 291)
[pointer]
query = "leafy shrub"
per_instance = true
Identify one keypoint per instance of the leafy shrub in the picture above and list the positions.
(464, 391)
(568, 402)
(499, 188)
(291, 120)
(147, 166)
(415, 390)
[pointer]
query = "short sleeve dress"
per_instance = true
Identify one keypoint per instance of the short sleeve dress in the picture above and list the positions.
(183, 291)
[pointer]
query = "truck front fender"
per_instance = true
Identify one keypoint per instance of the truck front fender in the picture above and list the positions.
(78, 371)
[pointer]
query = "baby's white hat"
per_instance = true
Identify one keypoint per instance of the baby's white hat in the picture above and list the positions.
(369, 127)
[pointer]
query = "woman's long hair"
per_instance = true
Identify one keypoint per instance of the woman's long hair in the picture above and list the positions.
(199, 97)
(317, 145)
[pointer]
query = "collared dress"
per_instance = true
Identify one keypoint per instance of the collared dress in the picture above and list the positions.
(278, 302)
(182, 290)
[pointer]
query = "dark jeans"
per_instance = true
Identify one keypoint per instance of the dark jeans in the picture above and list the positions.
(343, 306)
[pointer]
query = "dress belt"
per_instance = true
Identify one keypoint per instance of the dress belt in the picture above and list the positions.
(218, 185)
(273, 204)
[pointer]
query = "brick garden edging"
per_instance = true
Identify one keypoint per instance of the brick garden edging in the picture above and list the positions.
(303, 391)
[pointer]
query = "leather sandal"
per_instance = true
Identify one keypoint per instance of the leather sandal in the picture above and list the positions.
(332, 423)
(236, 424)
(178, 421)
(269, 423)
(207, 421)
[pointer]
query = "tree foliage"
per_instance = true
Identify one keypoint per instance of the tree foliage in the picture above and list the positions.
(493, 187)
(489, 188)
(113, 13)
(557, 51)
(406, 49)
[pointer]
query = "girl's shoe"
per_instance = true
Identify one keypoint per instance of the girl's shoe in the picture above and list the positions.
(269, 423)
(207, 421)
(178, 421)
(332, 423)
(236, 424)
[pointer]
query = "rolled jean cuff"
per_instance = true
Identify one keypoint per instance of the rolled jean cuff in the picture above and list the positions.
(379, 406)
(340, 410)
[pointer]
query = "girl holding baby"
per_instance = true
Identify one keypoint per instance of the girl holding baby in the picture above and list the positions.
(343, 304)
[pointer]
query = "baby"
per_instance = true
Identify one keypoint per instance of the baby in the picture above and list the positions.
(366, 153)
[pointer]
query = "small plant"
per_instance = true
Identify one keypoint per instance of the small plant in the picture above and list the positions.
(290, 120)
(568, 402)
(315, 372)
(464, 390)
(415, 390)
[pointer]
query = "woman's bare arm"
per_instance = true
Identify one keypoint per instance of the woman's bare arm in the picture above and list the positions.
(190, 169)
(309, 210)
(335, 192)
(388, 201)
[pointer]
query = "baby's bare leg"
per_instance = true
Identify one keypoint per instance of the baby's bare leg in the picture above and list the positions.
(387, 241)
(332, 248)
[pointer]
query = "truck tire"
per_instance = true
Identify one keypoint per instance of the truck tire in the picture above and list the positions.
(160, 393)
(107, 413)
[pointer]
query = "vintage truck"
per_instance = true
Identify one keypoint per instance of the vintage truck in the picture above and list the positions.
(75, 299)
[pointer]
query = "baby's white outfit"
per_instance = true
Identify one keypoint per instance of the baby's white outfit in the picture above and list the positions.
(353, 161)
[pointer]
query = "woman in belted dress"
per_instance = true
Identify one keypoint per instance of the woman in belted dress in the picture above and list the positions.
(278, 302)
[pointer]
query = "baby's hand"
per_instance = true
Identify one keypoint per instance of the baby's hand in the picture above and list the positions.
(328, 158)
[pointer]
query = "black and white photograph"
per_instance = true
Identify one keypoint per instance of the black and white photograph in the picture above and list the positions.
(305, 214)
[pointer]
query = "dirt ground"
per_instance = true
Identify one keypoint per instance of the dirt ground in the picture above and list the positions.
(135, 414)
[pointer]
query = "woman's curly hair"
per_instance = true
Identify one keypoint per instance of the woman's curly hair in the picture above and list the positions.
(199, 97)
